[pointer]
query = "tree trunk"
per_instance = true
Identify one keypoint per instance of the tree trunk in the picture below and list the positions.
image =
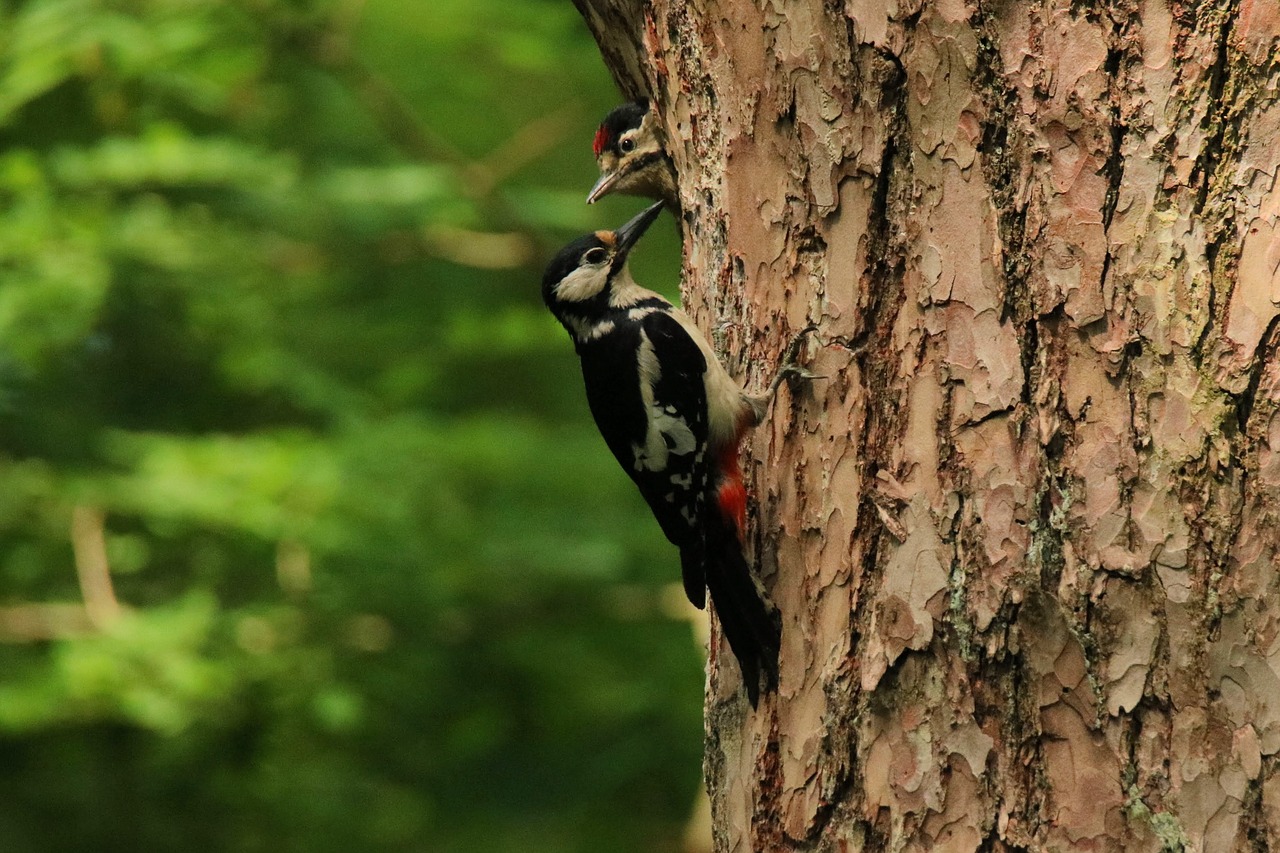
(1024, 536)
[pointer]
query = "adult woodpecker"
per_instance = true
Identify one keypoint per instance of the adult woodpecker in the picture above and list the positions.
(632, 158)
(673, 418)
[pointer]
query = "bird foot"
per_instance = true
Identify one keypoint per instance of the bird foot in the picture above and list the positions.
(788, 370)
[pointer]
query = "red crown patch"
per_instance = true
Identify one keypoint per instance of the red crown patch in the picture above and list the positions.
(601, 141)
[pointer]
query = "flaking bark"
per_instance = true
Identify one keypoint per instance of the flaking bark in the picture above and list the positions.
(1024, 538)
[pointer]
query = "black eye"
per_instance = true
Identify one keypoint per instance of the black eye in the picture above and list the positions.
(627, 145)
(595, 256)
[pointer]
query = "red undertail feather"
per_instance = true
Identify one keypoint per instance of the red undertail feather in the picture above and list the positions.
(732, 494)
(601, 141)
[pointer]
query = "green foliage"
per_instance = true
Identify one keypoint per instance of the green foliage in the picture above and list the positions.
(269, 300)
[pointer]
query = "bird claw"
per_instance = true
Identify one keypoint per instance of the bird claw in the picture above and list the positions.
(795, 371)
(790, 369)
(793, 348)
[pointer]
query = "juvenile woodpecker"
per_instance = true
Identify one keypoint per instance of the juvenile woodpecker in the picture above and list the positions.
(673, 418)
(630, 151)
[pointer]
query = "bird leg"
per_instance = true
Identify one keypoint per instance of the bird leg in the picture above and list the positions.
(789, 369)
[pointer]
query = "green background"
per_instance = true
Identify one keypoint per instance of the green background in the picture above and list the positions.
(269, 300)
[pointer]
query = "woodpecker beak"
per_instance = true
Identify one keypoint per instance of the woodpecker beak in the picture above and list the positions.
(602, 187)
(628, 235)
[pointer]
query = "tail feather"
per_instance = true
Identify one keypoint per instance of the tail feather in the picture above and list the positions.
(748, 625)
(694, 574)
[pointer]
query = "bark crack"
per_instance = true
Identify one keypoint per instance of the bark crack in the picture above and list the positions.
(1001, 169)
(871, 348)
(1216, 118)
(957, 583)
(1266, 352)
(871, 344)
(1226, 112)
(1254, 808)
(1114, 167)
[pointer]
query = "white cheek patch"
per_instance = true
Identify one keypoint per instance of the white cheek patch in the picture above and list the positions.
(582, 284)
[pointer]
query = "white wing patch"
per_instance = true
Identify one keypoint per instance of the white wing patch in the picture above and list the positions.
(668, 433)
(586, 330)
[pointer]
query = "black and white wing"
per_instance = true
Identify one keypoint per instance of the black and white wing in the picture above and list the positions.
(652, 412)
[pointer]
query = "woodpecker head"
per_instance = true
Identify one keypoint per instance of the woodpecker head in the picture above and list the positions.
(585, 278)
(629, 151)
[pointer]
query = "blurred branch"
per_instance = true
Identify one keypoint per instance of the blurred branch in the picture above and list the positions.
(293, 567)
(89, 544)
(331, 47)
(27, 623)
(346, 16)
(31, 623)
(479, 249)
(526, 145)
(401, 124)
(477, 180)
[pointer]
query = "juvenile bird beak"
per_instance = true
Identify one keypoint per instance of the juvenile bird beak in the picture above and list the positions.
(628, 235)
(602, 186)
